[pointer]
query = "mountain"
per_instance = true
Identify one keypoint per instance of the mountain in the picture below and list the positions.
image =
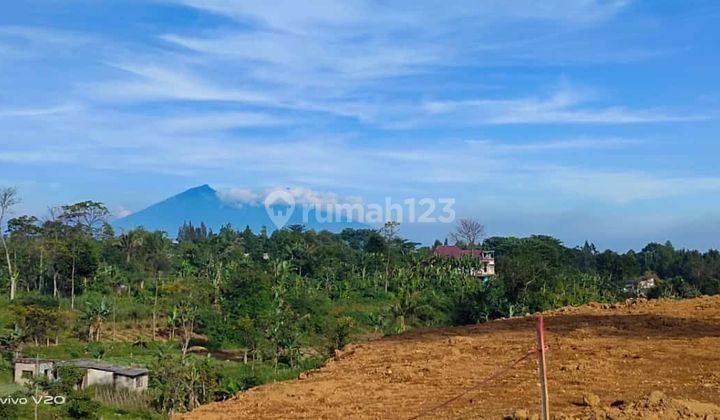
(203, 205)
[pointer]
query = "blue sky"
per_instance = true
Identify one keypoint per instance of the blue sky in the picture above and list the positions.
(581, 119)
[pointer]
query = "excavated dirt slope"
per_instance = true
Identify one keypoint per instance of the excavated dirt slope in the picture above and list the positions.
(653, 359)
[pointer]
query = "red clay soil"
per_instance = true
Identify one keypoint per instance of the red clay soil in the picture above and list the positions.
(653, 359)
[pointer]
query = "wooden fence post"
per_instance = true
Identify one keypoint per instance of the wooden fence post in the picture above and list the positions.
(541, 368)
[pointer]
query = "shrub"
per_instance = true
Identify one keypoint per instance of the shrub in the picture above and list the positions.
(80, 405)
(339, 331)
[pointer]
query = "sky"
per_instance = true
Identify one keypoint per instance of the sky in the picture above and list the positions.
(581, 119)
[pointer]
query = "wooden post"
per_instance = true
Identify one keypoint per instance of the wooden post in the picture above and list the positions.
(541, 368)
(37, 369)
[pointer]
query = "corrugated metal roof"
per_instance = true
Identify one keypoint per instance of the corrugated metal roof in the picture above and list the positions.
(94, 364)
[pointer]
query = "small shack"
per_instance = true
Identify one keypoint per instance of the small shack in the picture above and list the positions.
(96, 372)
(26, 368)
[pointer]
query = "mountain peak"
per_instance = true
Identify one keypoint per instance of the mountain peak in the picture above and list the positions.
(200, 191)
(202, 188)
(201, 204)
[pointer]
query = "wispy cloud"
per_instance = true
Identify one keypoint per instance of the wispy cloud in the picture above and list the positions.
(342, 58)
(495, 146)
(207, 122)
(158, 83)
(563, 106)
(366, 97)
(35, 42)
(38, 112)
(291, 16)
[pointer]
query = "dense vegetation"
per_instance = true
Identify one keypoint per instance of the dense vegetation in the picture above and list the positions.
(266, 306)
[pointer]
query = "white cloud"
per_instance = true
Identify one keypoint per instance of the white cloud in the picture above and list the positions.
(240, 196)
(495, 146)
(39, 111)
(340, 57)
(121, 212)
(565, 105)
(206, 122)
(291, 16)
(152, 82)
(302, 196)
(287, 14)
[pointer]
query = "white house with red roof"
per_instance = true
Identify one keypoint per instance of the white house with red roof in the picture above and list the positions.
(486, 259)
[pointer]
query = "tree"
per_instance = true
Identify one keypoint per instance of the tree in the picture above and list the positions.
(182, 383)
(8, 199)
(187, 314)
(469, 232)
(390, 230)
(408, 301)
(154, 248)
(90, 216)
(129, 242)
(38, 323)
(96, 313)
(54, 233)
(86, 220)
(23, 235)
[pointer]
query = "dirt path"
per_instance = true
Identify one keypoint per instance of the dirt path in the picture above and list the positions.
(619, 352)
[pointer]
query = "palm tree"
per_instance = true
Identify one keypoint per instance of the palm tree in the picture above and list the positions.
(129, 242)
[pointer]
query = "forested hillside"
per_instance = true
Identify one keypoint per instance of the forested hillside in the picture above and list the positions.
(267, 306)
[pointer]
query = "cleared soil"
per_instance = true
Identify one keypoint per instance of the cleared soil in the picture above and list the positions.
(620, 353)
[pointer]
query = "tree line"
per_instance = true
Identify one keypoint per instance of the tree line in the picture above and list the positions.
(286, 296)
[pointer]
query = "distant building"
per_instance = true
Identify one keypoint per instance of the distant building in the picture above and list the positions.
(640, 288)
(485, 267)
(96, 372)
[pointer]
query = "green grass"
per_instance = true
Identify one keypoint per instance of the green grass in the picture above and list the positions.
(122, 353)
(234, 375)
(7, 386)
(265, 372)
(107, 412)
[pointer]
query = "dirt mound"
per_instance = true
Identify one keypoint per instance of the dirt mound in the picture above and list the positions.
(655, 405)
(620, 353)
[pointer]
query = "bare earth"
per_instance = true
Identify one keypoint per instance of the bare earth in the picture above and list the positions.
(620, 353)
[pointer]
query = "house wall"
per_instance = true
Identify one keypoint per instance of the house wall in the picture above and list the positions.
(490, 269)
(44, 368)
(97, 377)
(137, 383)
(141, 382)
(124, 382)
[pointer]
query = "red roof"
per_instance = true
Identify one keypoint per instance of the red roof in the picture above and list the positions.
(453, 251)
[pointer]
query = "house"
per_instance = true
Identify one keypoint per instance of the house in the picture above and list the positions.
(485, 267)
(96, 372)
(641, 287)
(26, 368)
